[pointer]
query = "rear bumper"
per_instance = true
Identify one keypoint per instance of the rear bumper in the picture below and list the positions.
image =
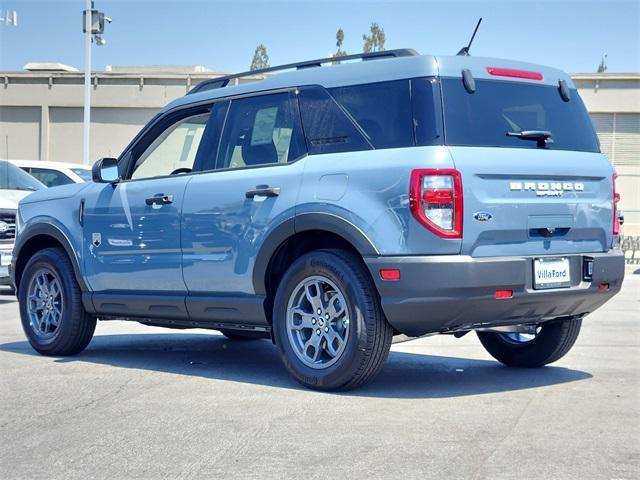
(456, 292)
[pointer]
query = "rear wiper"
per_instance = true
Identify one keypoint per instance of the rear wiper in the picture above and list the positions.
(543, 137)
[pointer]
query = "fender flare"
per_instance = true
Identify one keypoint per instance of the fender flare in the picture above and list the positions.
(328, 222)
(50, 230)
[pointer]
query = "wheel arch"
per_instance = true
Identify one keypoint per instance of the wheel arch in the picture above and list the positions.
(38, 237)
(297, 236)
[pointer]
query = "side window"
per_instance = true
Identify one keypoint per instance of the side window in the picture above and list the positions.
(381, 110)
(427, 114)
(51, 178)
(260, 130)
(174, 149)
(327, 127)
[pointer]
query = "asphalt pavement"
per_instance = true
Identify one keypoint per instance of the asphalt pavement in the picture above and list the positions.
(145, 402)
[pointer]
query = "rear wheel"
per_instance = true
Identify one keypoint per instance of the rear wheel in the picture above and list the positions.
(53, 317)
(550, 342)
(328, 323)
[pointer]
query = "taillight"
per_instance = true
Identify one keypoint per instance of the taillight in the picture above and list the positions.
(616, 199)
(435, 199)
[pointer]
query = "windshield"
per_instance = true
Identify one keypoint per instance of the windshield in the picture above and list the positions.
(83, 173)
(14, 178)
(516, 114)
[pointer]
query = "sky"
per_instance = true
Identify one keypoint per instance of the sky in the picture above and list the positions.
(222, 35)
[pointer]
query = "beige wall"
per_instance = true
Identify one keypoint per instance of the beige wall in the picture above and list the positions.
(111, 131)
(20, 132)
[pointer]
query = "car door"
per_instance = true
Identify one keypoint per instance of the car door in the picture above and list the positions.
(228, 212)
(132, 228)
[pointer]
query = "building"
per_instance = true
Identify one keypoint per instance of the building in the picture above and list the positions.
(41, 114)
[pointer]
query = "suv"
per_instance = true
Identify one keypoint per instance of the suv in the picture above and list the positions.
(332, 208)
(14, 185)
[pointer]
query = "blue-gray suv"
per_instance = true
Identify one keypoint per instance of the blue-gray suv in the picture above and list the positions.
(331, 208)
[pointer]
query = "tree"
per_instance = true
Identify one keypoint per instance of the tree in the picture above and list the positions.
(260, 58)
(375, 41)
(603, 64)
(339, 41)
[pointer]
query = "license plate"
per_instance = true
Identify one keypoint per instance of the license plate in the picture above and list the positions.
(5, 259)
(551, 273)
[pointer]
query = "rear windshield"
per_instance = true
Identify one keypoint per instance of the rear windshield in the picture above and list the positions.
(484, 118)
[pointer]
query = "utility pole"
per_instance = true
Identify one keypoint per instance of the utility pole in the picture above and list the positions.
(93, 29)
(88, 14)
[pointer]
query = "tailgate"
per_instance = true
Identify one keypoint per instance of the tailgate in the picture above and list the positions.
(533, 202)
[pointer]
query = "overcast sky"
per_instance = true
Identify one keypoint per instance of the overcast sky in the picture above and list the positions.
(222, 35)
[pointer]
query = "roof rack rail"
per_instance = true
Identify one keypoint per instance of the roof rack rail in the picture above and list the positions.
(221, 82)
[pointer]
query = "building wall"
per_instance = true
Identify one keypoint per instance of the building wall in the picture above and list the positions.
(41, 116)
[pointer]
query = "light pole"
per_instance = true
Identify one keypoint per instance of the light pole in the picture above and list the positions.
(93, 28)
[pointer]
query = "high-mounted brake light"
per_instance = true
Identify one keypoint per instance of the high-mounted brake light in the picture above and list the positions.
(510, 72)
(435, 199)
(616, 199)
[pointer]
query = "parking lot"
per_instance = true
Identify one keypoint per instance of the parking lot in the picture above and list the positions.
(145, 402)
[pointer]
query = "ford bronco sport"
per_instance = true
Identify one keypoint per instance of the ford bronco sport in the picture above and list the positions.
(332, 208)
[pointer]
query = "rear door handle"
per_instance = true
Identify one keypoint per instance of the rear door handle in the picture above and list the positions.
(263, 192)
(159, 199)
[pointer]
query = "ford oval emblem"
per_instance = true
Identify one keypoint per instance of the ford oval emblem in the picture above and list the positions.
(482, 216)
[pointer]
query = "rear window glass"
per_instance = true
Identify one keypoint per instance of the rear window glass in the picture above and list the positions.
(381, 110)
(485, 117)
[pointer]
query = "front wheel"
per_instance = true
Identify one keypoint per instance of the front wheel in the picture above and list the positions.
(550, 342)
(328, 323)
(53, 317)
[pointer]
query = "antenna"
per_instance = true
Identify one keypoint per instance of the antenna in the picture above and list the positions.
(464, 51)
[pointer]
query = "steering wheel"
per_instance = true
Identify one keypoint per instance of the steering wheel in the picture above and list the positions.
(178, 171)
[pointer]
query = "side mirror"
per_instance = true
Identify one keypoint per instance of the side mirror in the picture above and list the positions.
(105, 170)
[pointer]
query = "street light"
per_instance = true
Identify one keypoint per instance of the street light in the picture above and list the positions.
(93, 28)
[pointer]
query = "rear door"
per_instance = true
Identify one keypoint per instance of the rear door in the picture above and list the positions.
(545, 191)
(229, 211)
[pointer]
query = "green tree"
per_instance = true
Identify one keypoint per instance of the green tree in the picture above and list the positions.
(339, 41)
(375, 41)
(260, 58)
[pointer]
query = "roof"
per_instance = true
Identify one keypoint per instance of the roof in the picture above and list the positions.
(378, 70)
(45, 163)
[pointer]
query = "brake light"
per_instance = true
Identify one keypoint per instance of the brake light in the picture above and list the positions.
(435, 199)
(510, 72)
(616, 199)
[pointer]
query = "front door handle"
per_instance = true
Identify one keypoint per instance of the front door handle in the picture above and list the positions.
(159, 199)
(263, 192)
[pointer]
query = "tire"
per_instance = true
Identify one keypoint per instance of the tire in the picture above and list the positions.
(360, 336)
(552, 342)
(75, 326)
(240, 335)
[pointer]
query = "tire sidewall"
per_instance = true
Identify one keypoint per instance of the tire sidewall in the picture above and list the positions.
(38, 261)
(330, 266)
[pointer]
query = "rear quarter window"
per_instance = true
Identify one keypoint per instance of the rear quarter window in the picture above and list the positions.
(483, 118)
(393, 114)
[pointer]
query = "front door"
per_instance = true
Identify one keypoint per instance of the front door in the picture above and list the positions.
(132, 230)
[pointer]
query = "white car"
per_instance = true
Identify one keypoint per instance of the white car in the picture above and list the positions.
(52, 174)
(14, 186)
